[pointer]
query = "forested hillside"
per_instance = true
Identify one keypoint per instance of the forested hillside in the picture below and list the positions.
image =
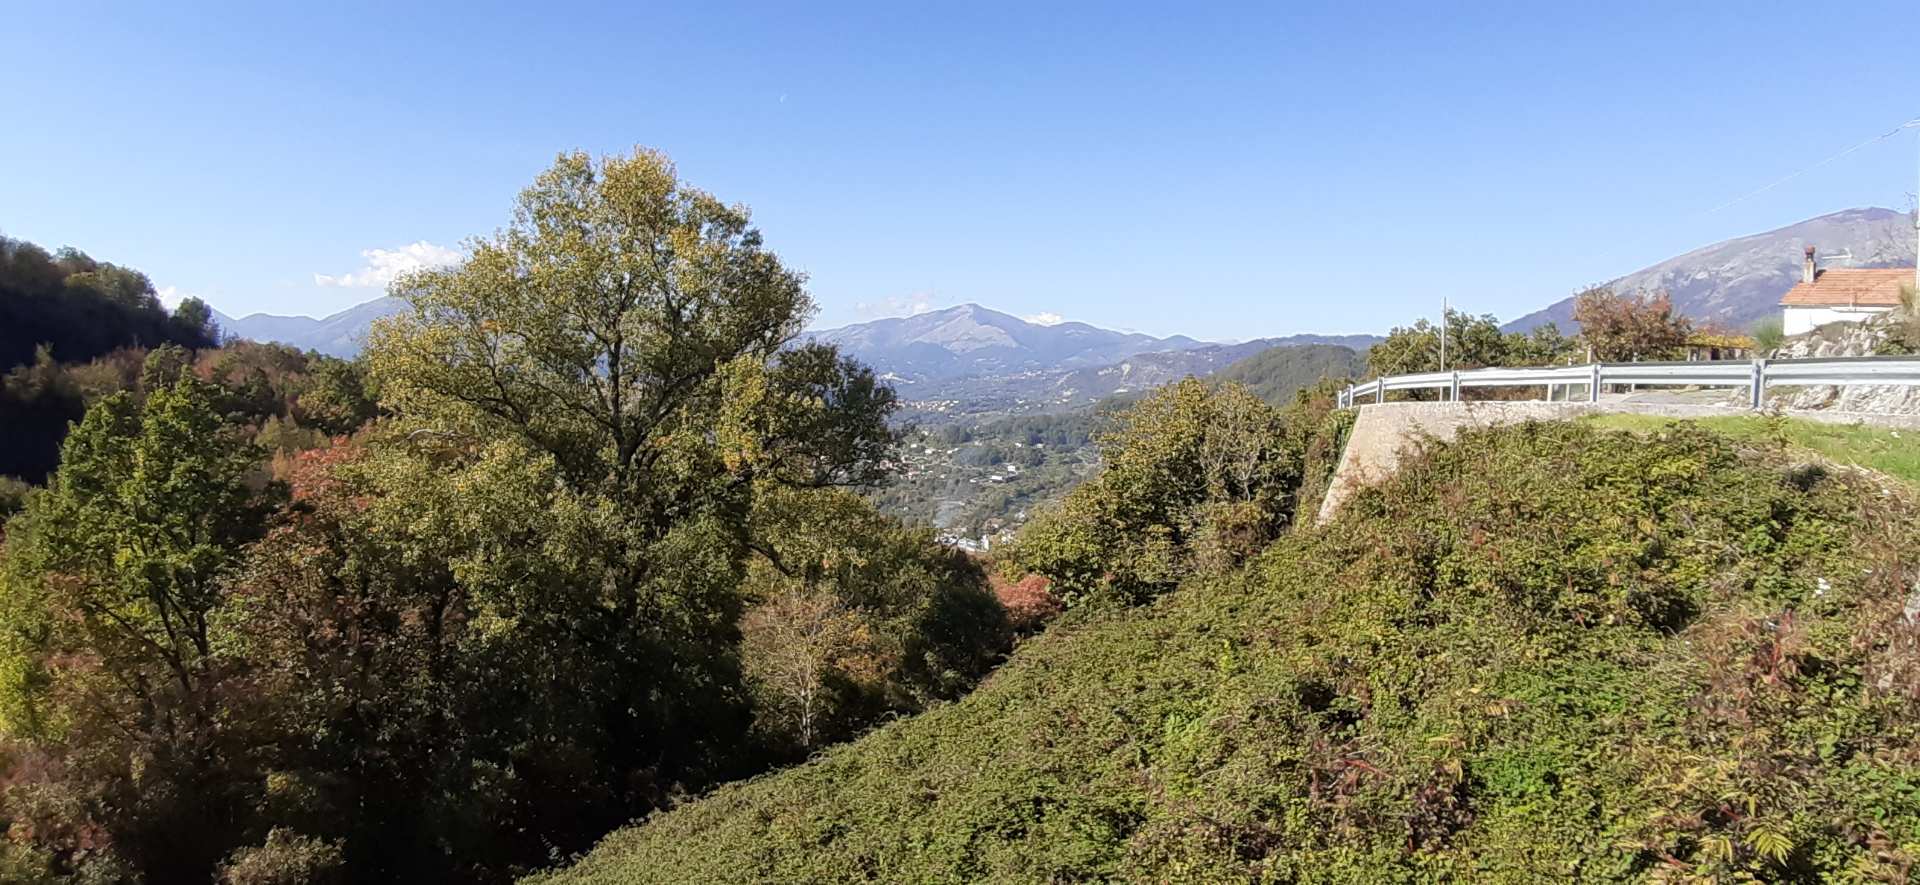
(1276, 374)
(1540, 653)
(65, 308)
(545, 559)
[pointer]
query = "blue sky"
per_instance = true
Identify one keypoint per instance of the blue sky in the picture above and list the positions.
(1224, 172)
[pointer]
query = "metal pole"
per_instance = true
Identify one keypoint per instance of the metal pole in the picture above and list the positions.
(1593, 384)
(1443, 330)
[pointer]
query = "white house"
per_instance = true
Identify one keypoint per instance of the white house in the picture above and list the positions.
(1840, 294)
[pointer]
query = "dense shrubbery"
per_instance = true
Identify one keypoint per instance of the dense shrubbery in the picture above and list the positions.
(596, 549)
(1539, 653)
(293, 400)
(1195, 477)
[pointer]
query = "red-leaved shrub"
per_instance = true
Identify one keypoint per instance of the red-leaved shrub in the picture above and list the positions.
(1029, 602)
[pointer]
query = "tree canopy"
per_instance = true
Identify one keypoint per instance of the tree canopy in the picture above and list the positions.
(580, 535)
(1626, 328)
(1193, 477)
(82, 308)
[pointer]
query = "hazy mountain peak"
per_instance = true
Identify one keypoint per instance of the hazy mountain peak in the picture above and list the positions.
(969, 339)
(339, 334)
(1737, 281)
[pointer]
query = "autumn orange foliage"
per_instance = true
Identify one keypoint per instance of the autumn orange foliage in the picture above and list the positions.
(1029, 602)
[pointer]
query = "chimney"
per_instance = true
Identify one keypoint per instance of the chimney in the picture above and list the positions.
(1806, 270)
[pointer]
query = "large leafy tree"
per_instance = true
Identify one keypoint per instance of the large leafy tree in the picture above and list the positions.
(507, 613)
(627, 337)
(109, 655)
(1619, 328)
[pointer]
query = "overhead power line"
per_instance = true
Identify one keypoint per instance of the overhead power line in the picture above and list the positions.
(1796, 174)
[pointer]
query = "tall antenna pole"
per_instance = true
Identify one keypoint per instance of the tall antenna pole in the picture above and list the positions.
(1443, 332)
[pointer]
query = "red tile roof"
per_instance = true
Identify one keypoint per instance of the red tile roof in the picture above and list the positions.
(1852, 286)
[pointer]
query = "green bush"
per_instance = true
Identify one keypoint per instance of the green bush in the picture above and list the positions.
(1539, 653)
(285, 858)
(1193, 477)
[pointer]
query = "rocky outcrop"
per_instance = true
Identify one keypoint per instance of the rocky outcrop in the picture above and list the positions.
(1840, 340)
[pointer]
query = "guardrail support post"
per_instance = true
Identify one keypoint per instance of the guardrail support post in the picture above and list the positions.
(1593, 383)
(1453, 389)
(1759, 383)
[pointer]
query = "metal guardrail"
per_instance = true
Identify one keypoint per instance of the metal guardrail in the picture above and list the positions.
(1755, 375)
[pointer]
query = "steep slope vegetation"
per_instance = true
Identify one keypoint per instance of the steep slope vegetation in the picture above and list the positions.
(1539, 653)
(1276, 374)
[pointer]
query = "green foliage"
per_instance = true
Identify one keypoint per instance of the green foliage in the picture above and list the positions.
(109, 586)
(1193, 476)
(857, 617)
(1318, 428)
(13, 496)
(625, 337)
(65, 321)
(336, 398)
(1472, 342)
(1895, 453)
(81, 308)
(285, 858)
(1278, 373)
(301, 399)
(1768, 334)
(503, 611)
(1539, 653)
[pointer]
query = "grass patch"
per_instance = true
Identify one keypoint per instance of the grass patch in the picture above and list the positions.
(1895, 453)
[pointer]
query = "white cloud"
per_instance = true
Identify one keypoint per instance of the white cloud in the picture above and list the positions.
(1048, 318)
(897, 306)
(171, 296)
(383, 265)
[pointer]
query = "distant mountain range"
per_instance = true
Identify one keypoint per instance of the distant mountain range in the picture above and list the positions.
(971, 360)
(339, 335)
(1735, 282)
(973, 341)
(957, 362)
